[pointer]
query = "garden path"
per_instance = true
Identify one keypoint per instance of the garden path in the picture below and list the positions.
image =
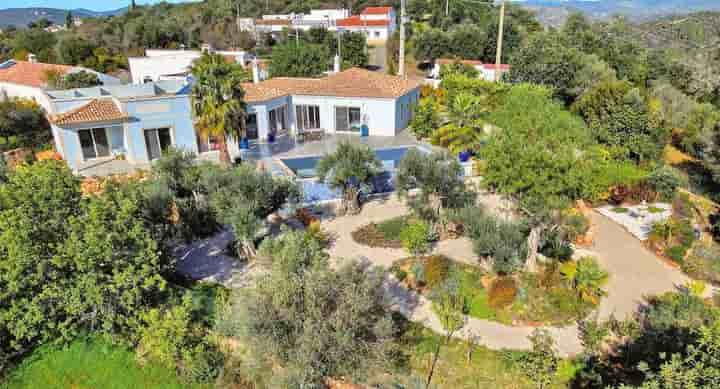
(635, 273)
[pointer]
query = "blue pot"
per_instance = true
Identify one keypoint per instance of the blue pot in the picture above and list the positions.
(271, 138)
(464, 156)
(244, 144)
(364, 130)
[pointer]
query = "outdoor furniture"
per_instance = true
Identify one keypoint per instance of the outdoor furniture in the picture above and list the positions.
(311, 135)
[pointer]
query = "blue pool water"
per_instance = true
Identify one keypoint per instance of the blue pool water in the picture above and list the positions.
(304, 168)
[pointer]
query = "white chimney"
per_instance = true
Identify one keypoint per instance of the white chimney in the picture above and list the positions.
(255, 71)
(206, 48)
(336, 64)
(32, 58)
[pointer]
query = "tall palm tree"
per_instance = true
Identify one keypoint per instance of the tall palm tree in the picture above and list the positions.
(218, 100)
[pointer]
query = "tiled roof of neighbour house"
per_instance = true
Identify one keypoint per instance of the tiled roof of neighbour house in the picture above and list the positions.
(273, 22)
(97, 110)
(355, 21)
(447, 61)
(376, 10)
(471, 62)
(354, 82)
(29, 73)
(491, 66)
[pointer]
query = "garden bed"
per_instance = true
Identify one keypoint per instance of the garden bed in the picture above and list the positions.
(385, 234)
(544, 298)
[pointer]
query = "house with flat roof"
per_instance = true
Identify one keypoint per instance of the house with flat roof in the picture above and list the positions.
(339, 103)
(168, 64)
(29, 79)
(132, 123)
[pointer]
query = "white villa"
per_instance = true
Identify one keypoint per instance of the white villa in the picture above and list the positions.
(165, 65)
(340, 103)
(377, 23)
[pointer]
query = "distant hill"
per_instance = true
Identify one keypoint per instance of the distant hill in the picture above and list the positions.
(554, 12)
(20, 17)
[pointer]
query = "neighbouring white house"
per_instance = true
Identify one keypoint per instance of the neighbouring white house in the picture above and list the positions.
(163, 64)
(341, 102)
(377, 23)
(325, 18)
(28, 79)
(486, 71)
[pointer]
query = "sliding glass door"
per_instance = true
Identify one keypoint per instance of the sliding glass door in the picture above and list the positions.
(157, 141)
(277, 119)
(307, 117)
(347, 119)
(94, 143)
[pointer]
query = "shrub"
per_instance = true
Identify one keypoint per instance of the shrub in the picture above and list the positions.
(415, 238)
(502, 293)
(575, 226)
(676, 253)
(505, 242)
(435, 270)
(664, 181)
(704, 263)
(682, 206)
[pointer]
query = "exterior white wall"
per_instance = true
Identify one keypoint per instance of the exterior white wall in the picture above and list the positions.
(372, 33)
(157, 66)
(27, 92)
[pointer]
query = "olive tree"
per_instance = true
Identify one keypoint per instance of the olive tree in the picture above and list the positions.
(308, 321)
(349, 169)
(438, 177)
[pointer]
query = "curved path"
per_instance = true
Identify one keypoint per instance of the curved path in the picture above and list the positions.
(635, 273)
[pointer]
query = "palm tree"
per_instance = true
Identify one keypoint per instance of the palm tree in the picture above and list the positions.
(464, 127)
(217, 100)
(587, 278)
(350, 168)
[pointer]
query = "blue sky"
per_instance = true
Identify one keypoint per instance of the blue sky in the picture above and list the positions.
(95, 5)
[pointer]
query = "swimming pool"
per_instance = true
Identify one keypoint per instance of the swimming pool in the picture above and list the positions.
(304, 167)
(314, 191)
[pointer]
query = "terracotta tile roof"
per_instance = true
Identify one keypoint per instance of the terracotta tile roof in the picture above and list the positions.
(273, 22)
(354, 82)
(376, 10)
(29, 73)
(471, 62)
(355, 21)
(97, 110)
(448, 61)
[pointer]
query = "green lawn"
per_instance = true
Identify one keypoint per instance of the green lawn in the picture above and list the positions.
(90, 364)
(486, 368)
(392, 228)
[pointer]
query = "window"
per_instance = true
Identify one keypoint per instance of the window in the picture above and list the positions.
(94, 143)
(157, 141)
(251, 126)
(307, 117)
(377, 34)
(278, 120)
(347, 119)
(147, 80)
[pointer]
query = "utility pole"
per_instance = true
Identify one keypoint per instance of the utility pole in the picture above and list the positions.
(498, 54)
(447, 7)
(401, 65)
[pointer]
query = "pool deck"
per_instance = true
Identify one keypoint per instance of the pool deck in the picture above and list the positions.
(288, 147)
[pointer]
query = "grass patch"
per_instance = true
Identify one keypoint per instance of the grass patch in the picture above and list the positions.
(91, 363)
(620, 210)
(485, 369)
(652, 209)
(384, 234)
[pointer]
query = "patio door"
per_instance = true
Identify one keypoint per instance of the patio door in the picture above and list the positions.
(307, 117)
(94, 143)
(277, 119)
(157, 141)
(251, 126)
(347, 119)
